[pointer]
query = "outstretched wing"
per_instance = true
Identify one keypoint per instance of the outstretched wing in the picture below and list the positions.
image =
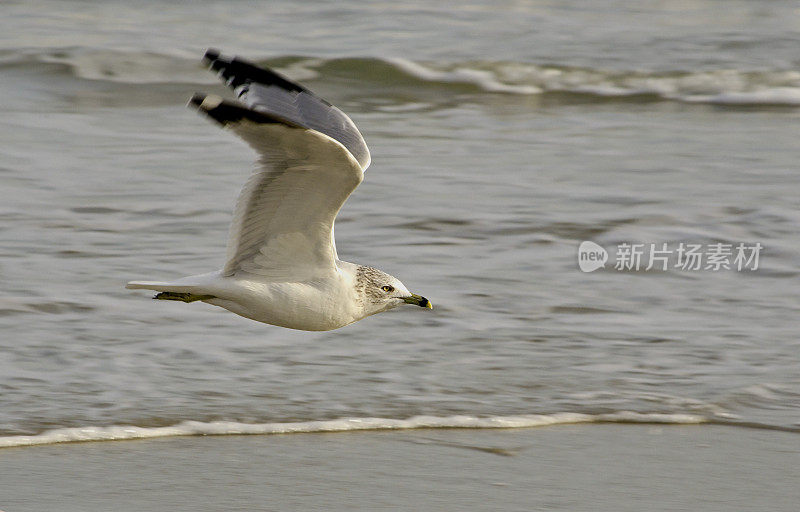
(282, 227)
(267, 91)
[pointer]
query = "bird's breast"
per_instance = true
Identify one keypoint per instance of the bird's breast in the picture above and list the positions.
(316, 305)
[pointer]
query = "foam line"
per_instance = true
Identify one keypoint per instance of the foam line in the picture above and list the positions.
(221, 428)
(734, 87)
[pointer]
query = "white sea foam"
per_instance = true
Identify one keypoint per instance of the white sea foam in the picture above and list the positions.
(483, 79)
(721, 86)
(220, 428)
(734, 87)
(771, 96)
(129, 67)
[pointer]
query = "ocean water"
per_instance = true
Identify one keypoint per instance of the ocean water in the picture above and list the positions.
(502, 135)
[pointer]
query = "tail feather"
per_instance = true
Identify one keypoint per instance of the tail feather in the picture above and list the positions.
(161, 286)
(149, 285)
(185, 289)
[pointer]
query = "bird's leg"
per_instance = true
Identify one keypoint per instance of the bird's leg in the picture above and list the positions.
(183, 297)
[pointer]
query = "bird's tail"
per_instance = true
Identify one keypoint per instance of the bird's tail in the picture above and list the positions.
(171, 291)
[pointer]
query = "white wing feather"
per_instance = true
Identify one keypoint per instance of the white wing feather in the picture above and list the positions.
(311, 157)
(282, 227)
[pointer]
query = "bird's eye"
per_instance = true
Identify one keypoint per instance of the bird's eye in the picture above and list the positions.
(387, 288)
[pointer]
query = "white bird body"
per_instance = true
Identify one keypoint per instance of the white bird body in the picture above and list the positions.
(282, 267)
(318, 304)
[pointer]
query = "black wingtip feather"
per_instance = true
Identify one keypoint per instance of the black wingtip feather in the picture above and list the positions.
(226, 112)
(197, 99)
(211, 55)
(238, 71)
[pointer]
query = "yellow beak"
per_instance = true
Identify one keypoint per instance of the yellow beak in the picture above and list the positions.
(418, 300)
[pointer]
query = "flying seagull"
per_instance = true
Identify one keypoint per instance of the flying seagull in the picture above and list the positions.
(282, 267)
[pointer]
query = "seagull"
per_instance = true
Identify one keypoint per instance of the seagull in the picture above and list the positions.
(281, 266)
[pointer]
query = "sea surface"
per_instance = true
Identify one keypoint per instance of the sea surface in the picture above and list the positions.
(503, 134)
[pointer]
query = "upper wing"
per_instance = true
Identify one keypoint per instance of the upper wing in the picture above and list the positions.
(283, 223)
(266, 91)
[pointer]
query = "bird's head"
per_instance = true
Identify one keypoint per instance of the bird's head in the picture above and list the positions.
(381, 292)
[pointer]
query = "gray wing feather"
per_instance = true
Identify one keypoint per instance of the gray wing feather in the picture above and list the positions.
(269, 92)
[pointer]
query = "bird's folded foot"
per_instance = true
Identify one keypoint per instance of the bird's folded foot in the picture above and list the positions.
(183, 297)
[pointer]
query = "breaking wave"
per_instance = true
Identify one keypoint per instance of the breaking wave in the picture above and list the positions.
(718, 86)
(221, 428)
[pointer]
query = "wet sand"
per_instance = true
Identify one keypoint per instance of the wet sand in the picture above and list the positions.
(575, 467)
